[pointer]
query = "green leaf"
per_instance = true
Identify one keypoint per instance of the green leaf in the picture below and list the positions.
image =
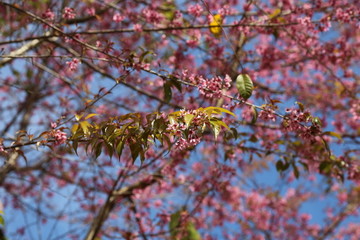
(216, 129)
(98, 149)
(325, 167)
(217, 110)
(295, 170)
(282, 166)
(219, 122)
(120, 147)
(109, 148)
(85, 127)
(234, 132)
(168, 9)
(135, 149)
(216, 126)
(301, 106)
(91, 115)
(275, 13)
(254, 115)
(143, 55)
(192, 233)
(174, 81)
(306, 167)
(326, 146)
(74, 128)
(333, 134)
(172, 119)
(167, 92)
(279, 166)
(174, 224)
(109, 129)
(316, 121)
(78, 116)
(75, 146)
(253, 138)
(244, 85)
(2, 221)
(188, 118)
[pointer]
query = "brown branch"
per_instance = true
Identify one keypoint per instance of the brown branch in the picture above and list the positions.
(113, 197)
(107, 75)
(329, 229)
(92, 17)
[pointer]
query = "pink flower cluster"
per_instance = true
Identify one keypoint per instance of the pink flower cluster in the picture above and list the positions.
(48, 15)
(212, 88)
(59, 136)
(152, 16)
(73, 64)
(305, 21)
(183, 144)
(355, 110)
(325, 24)
(267, 115)
(295, 121)
(195, 10)
(118, 18)
(137, 27)
(344, 15)
(68, 13)
(191, 138)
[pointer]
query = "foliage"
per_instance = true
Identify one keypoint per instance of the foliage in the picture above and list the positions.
(179, 119)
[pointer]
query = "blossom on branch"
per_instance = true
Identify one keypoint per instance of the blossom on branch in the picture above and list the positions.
(69, 13)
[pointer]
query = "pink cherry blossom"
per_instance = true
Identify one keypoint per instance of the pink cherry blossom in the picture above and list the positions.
(69, 13)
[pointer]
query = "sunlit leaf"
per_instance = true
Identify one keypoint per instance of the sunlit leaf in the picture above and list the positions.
(188, 118)
(333, 134)
(168, 9)
(301, 106)
(85, 127)
(91, 115)
(275, 13)
(74, 128)
(216, 128)
(78, 116)
(215, 28)
(217, 110)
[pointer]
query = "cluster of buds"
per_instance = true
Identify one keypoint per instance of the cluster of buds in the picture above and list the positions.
(59, 136)
(298, 121)
(212, 88)
(188, 135)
